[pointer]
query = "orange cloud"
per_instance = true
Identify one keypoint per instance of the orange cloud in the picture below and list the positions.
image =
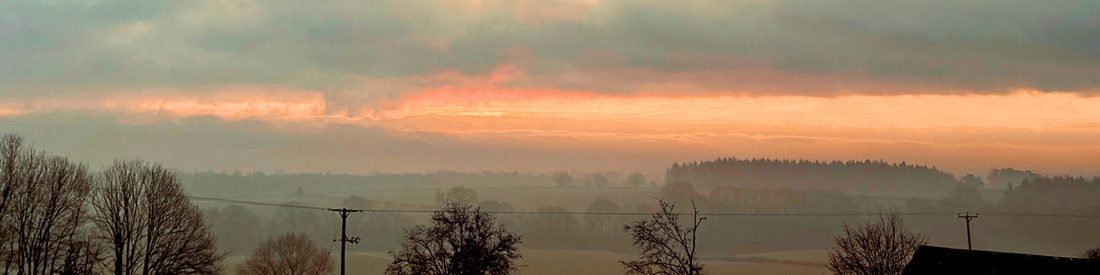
(957, 149)
(1019, 110)
(1053, 132)
(481, 98)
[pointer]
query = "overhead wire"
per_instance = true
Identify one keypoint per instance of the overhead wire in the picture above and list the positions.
(474, 188)
(649, 214)
(329, 222)
(256, 203)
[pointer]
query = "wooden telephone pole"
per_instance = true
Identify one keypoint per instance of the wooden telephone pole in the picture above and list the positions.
(968, 217)
(344, 233)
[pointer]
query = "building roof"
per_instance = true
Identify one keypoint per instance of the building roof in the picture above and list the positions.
(930, 260)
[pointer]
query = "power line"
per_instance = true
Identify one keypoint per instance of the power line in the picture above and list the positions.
(649, 214)
(474, 188)
(256, 203)
(1040, 215)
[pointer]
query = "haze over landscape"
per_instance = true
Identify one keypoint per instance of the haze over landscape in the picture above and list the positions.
(929, 108)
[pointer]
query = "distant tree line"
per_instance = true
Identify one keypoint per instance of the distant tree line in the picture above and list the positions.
(599, 179)
(866, 175)
(1050, 194)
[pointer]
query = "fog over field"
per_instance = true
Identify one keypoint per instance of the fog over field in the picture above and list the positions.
(745, 187)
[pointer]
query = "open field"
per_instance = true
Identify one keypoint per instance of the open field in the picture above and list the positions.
(573, 262)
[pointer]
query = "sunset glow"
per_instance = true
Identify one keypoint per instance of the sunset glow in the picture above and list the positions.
(1029, 110)
(1019, 110)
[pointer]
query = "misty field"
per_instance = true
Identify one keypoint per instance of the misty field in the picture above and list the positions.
(574, 262)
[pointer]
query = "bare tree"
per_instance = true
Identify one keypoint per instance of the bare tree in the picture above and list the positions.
(1092, 254)
(84, 255)
(461, 241)
(149, 224)
(119, 219)
(880, 247)
(667, 246)
(10, 148)
(290, 254)
(43, 209)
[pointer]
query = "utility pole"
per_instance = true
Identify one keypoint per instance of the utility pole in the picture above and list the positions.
(968, 217)
(344, 233)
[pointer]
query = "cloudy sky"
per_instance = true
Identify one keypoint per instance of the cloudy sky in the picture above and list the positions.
(505, 85)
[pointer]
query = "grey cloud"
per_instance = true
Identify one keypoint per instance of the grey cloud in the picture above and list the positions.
(981, 47)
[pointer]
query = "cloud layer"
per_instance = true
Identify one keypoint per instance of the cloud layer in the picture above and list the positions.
(366, 52)
(604, 84)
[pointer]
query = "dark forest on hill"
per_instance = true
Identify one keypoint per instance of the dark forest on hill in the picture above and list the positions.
(864, 176)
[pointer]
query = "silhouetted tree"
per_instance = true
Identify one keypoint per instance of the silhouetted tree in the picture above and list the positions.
(1092, 254)
(635, 180)
(875, 248)
(460, 195)
(84, 255)
(460, 240)
(11, 148)
(289, 254)
(563, 179)
(149, 224)
(667, 246)
(43, 211)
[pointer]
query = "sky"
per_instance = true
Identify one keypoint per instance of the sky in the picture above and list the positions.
(539, 86)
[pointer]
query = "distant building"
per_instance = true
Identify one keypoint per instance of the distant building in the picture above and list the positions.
(932, 260)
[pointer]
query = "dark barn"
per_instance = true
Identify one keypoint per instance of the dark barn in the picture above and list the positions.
(930, 260)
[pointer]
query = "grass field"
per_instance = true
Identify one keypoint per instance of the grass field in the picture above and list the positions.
(572, 262)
